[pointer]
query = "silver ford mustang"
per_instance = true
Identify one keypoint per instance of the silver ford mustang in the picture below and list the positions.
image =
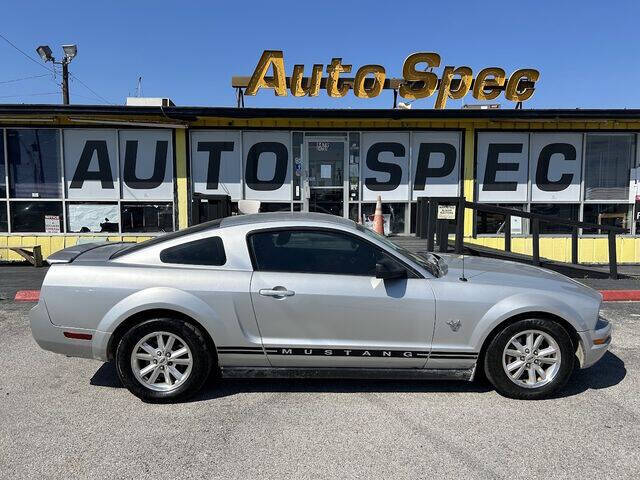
(312, 295)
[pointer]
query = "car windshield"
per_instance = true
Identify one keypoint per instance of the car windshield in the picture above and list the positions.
(427, 260)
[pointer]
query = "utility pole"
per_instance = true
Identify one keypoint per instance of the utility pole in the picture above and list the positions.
(70, 51)
(65, 81)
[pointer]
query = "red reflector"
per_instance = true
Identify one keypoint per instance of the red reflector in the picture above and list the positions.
(78, 336)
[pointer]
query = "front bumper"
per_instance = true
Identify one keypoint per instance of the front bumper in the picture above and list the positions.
(594, 343)
(52, 337)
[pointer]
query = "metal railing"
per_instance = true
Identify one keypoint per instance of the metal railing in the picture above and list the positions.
(427, 223)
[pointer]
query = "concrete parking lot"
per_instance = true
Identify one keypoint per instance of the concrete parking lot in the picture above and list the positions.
(69, 418)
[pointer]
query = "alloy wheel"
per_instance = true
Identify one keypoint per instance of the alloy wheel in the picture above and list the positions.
(161, 361)
(531, 359)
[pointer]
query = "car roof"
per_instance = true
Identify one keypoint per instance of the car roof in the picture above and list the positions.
(288, 217)
(301, 218)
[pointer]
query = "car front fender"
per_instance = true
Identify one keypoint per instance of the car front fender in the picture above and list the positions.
(524, 303)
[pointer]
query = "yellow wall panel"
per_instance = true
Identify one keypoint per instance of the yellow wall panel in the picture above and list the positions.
(57, 243)
(70, 241)
(45, 244)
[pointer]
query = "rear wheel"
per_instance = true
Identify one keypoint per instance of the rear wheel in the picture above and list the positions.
(530, 359)
(163, 360)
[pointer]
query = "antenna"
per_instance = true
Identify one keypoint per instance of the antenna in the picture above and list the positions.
(463, 278)
(139, 87)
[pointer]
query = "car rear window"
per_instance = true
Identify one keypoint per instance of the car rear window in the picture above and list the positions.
(206, 251)
(168, 236)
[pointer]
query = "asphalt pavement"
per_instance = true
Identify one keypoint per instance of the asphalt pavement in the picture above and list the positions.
(70, 418)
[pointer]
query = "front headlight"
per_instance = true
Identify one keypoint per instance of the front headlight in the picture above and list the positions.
(601, 323)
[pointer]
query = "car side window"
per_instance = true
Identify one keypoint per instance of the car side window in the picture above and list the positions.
(206, 251)
(314, 251)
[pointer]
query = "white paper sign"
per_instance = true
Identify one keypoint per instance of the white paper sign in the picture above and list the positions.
(52, 224)
(325, 171)
(446, 212)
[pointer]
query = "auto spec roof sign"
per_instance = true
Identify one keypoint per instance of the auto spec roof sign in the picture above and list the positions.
(418, 80)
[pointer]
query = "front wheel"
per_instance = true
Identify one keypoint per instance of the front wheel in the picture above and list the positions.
(530, 359)
(163, 360)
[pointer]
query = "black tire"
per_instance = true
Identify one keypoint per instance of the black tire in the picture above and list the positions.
(495, 372)
(202, 360)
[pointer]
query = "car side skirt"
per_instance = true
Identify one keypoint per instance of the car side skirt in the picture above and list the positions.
(366, 373)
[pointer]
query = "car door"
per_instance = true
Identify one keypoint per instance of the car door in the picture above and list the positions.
(318, 302)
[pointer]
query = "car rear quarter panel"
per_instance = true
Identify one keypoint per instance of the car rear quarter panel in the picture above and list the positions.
(101, 297)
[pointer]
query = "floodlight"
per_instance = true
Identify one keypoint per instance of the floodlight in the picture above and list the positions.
(45, 53)
(70, 51)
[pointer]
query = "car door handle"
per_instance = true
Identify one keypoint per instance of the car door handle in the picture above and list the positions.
(277, 292)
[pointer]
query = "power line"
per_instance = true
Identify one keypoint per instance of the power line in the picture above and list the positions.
(91, 90)
(53, 70)
(27, 55)
(30, 95)
(24, 78)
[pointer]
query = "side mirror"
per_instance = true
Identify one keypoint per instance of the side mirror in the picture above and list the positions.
(387, 270)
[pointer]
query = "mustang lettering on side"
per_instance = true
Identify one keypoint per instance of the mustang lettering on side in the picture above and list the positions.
(311, 295)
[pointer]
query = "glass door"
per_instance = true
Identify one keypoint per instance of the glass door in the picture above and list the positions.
(325, 182)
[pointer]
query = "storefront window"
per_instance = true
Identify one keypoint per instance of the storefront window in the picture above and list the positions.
(608, 163)
(92, 217)
(562, 210)
(493, 223)
(618, 215)
(3, 175)
(275, 207)
(4, 225)
(147, 217)
(392, 213)
(34, 163)
(36, 217)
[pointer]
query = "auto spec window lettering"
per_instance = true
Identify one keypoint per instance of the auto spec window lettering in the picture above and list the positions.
(146, 162)
(216, 162)
(267, 172)
(550, 162)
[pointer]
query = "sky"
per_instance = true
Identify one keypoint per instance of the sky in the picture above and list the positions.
(587, 51)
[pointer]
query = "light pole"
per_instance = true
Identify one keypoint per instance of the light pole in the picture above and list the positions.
(70, 51)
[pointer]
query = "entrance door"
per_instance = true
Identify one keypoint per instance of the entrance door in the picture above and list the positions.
(326, 182)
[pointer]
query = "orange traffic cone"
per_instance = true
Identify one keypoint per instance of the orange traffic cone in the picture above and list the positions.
(378, 220)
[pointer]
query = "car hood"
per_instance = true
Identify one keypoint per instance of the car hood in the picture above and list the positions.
(505, 272)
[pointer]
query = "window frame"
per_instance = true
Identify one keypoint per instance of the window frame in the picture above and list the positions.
(412, 272)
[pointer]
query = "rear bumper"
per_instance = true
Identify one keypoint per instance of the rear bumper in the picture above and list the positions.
(52, 337)
(594, 344)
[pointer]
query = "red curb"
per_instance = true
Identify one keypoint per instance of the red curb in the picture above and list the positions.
(27, 296)
(620, 295)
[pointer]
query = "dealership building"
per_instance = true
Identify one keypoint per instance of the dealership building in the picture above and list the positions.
(80, 173)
